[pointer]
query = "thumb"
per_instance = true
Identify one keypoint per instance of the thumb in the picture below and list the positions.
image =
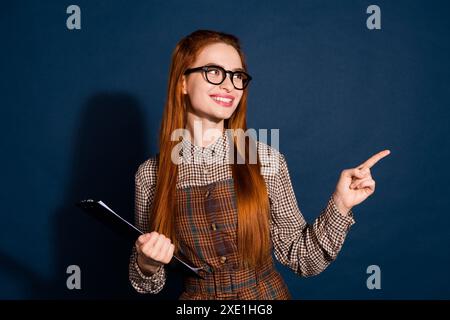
(359, 173)
(350, 173)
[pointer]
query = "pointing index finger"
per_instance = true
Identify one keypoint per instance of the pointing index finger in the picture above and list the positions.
(374, 159)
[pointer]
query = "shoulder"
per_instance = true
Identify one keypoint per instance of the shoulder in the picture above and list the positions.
(147, 171)
(272, 160)
(272, 163)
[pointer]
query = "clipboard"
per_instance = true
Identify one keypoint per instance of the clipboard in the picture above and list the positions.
(100, 211)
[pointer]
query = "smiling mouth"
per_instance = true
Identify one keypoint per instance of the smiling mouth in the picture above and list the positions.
(226, 102)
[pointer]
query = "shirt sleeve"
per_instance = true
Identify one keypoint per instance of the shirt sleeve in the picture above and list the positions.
(306, 249)
(143, 199)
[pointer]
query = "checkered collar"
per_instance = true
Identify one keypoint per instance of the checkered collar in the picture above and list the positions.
(214, 151)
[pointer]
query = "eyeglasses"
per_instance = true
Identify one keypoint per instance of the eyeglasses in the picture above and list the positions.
(216, 75)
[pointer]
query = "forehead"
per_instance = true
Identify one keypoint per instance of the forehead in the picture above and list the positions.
(221, 54)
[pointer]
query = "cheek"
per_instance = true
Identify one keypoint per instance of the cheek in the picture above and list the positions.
(236, 102)
(238, 98)
(199, 98)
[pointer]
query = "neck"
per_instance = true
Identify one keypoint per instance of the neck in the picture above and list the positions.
(203, 132)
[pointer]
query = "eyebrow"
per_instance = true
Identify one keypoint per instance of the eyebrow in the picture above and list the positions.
(216, 64)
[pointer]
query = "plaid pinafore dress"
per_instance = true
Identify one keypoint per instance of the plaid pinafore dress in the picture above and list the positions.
(206, 226)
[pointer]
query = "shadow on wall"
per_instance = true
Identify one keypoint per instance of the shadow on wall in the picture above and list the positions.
(110, 144)
(108, 148)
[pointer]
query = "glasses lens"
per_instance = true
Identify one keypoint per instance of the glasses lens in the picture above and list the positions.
(215, 75)
(240, 80)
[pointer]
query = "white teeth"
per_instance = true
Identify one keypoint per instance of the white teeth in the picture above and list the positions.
(222, 99)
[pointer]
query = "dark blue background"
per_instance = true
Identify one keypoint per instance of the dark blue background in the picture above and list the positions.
(80, 110)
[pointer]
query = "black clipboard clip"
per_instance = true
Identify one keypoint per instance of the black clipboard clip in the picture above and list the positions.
(102, 212)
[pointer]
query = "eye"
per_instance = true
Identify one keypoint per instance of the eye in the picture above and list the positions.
(239, 76)
(213, 71)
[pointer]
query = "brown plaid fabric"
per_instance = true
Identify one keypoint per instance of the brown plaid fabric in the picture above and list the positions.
(206, 226)
(207, 220)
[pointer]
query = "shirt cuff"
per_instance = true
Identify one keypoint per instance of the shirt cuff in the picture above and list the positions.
(156, 277)
(336, 219)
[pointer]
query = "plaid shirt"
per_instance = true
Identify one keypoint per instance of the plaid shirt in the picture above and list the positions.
(306, 249)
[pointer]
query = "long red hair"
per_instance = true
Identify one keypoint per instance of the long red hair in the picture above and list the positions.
(253, 235)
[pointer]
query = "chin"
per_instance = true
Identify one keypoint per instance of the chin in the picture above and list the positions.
(224, 116)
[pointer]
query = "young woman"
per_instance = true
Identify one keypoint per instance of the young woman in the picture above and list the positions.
(196, 199)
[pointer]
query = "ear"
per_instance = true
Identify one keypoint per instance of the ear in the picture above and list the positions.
(184, 86)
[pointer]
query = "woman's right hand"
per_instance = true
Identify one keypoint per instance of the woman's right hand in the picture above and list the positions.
(153, 250)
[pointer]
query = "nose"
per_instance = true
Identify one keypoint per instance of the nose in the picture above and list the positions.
(227, 83)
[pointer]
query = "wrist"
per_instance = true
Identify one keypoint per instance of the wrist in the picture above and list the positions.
(146, 268)
(343, 209)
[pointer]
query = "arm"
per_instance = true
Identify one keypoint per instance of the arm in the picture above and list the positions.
(144, 283)
(306, 249)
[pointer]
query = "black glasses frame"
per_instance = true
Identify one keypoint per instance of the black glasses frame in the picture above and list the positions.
(205, 69)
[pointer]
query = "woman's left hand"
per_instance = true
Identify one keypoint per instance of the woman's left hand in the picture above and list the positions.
(356, 185)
